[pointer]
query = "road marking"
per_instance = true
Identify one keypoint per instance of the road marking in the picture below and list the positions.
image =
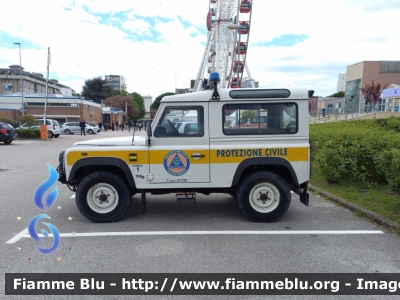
(25, 234)
(18, 236)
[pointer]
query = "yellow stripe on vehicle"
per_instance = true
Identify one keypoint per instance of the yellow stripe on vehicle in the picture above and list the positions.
(158, 156)
(130, 157)
(239, 154)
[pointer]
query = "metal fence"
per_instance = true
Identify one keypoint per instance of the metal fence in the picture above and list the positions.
(348, 113)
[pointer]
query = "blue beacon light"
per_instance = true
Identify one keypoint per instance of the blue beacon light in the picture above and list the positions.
(214, 77)
(213, 81)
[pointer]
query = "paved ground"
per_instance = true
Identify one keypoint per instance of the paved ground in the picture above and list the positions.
(320, 238)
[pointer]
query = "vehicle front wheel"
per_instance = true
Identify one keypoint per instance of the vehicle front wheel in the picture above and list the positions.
(67, 131)
(102, 197)
(50, 134)
(7, 142)
(90, 131)
(264, 197)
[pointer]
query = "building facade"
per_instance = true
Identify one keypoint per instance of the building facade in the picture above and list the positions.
(362, 73)
(148, 100)
(62, 109)
(34, 83)
(116, 82)
(341, 84)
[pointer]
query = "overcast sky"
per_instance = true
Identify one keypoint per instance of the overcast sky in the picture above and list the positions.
(158, 44)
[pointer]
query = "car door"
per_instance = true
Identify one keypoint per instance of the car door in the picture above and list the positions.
(75, 127)
(177, 157)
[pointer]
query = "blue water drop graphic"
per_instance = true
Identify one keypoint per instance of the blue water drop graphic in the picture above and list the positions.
(44, 187)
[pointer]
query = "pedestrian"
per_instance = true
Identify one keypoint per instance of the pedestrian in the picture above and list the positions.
(134, 125)
(140, 126)
(129, 125)
(145, 126)
(100, 125)
(116, 124)
(82, 125)
(122, 126)
(105, 126)
(112, 126)
(16, 124)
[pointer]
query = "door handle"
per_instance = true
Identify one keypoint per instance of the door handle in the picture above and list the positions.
(197, 155)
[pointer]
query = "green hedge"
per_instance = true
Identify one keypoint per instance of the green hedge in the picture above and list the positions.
(365, 151)
(7, 121)
(28, 133)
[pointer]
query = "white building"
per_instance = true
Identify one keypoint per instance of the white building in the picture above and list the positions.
(116, 82)
(341, 84)
(148, 100)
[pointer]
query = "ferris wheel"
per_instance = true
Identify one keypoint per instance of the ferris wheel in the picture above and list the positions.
(228, 24)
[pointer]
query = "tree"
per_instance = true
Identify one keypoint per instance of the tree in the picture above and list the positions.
(338, 94)
(372, 92)
(140, 101)
(156, 102)
(96, 89)
(119, 102)
(76, 94)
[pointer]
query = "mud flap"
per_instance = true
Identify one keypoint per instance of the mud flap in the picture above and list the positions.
(304, 198)
(143, 201)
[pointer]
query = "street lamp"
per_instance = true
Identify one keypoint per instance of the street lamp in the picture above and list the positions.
(20, 72)
(236, 27)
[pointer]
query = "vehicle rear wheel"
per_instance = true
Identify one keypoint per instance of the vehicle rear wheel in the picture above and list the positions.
(102, 197)
(67, 131)
(90, 131)
(264, 197)
(50, 134)
(56, 135)
(7, 142)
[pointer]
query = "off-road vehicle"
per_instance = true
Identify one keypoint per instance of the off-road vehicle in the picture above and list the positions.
(252, 144)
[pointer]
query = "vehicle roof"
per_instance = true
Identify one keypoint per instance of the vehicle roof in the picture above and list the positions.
(205, 96)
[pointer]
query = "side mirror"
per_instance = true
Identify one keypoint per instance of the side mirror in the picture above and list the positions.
(148, 130)
(149, 134)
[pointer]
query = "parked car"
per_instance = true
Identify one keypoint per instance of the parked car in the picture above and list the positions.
(53, 128)
(187, 127)
(7, 133)
(73, 127)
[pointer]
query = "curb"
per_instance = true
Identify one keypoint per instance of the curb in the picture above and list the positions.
(385, 222)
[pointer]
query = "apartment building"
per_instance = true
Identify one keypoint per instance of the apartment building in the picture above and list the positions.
(116, 82)
(35, 83)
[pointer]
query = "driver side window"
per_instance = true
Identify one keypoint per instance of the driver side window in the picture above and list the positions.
(181, 121)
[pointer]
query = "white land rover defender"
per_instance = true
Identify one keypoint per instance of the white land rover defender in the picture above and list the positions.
(252, 144)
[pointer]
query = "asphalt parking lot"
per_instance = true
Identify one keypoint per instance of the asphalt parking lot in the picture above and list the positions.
(211, 236)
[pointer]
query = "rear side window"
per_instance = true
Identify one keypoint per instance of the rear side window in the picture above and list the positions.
(249, 119)
(55, 123)
(6, 126)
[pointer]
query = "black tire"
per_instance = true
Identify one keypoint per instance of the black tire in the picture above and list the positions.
(67, 131)
(274, 197)
(56, 135)
(90, 131)
(233, 194)
(50, 134)
(8, 142)
(114, 190)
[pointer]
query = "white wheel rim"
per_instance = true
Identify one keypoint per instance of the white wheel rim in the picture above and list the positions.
(264, 197)
(102, 198)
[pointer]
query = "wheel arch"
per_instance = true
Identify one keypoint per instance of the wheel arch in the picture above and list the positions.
(274, 164)
(87, 165)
